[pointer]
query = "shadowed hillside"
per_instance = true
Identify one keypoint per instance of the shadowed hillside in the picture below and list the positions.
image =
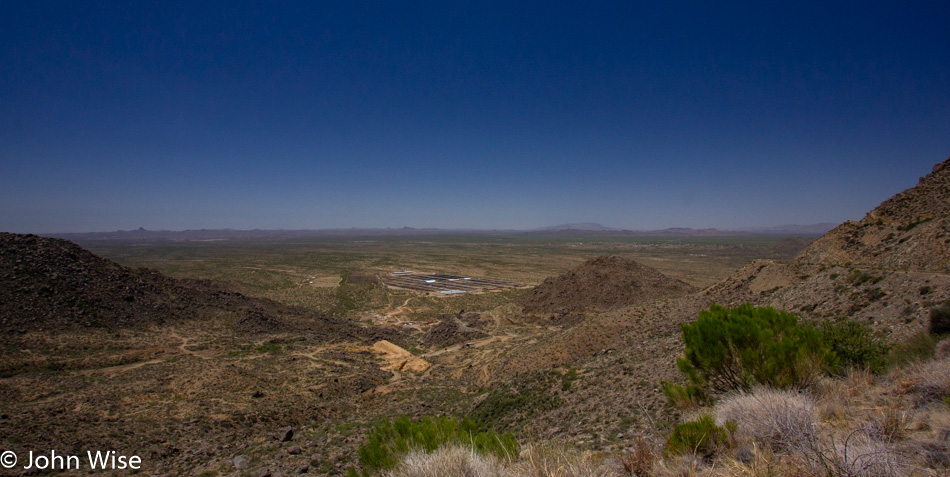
(54, 285)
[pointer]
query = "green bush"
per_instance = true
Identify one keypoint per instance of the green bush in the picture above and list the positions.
(269, 347)
(940, 318)
(736, 348)
(701, 437)
(856, 345)
(390, 440)
(569, 377)
(918, 347)
(684, 397)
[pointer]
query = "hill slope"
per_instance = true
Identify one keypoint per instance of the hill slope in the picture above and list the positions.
(910, 231)
(623, 354)
(55, 285)
(605, 282)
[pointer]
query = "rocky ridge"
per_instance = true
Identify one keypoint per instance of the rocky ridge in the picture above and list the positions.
(602, 283)
(910, 231)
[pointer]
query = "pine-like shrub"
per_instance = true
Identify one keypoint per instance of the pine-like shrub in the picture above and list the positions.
(737, 348)
(701, 437)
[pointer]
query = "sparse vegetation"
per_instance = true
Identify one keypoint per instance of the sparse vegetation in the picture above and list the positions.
(504, 405)
(781, 420)
(918, 347)
(940, 318)
(701, 437)
(590, 381)
(854, 344)
(390, 440)
(269, 347)
(454, 459)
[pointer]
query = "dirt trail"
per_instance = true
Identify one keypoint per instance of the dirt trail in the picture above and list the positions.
(397, 311)
(111, 370)
(183, 347)
(471, 344)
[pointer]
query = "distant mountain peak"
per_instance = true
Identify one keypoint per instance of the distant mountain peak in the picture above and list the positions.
(575, 226)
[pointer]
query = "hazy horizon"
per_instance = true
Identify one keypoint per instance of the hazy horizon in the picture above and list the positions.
(480, 115)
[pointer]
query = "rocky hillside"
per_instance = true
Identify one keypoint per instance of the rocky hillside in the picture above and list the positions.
(887, 270)
(910, 231)
(49, 284)
(853, 272)
(602, 283)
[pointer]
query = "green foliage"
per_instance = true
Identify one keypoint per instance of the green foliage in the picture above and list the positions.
(568, 378)
(735, 348)
(390, 440)
(856, 345)
(919, 347)
(914, 222)
(940, 318)
(269, 347)
(683, 397)
(701, 437)
(507, 407)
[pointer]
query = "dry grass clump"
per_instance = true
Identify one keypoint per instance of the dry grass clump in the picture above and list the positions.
(640, 459)
(925, 382)
(535, 461)
(943, 349)
(858, 454)
(781, 420)
(448, 460)
(681, 466)
(835, 395)
(557, 461)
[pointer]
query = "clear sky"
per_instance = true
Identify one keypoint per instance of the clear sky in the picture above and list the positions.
(323, 114)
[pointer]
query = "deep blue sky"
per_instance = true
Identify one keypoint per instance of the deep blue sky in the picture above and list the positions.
(640, 115)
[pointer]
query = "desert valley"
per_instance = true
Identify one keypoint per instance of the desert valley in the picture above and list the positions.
(288, 354)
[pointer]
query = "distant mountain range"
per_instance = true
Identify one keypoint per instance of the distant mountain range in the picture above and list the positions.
(576, 226)
(582, 228)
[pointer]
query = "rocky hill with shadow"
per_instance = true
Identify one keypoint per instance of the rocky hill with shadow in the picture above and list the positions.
(602, 283)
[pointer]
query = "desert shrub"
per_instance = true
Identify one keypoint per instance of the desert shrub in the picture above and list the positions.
(530, 395)
(390, 440)
(701, 437)
(858, 278)
(640, 459)
(269, 347)
(448, 460)
(942, 350)
(925, 382)
(890, 425)
(856, 345)
(782, 420)
(683, 397)
(559, 461)
(858, 454)
(569, 377)
(736, 348)
(918, 347)
(940, 318)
